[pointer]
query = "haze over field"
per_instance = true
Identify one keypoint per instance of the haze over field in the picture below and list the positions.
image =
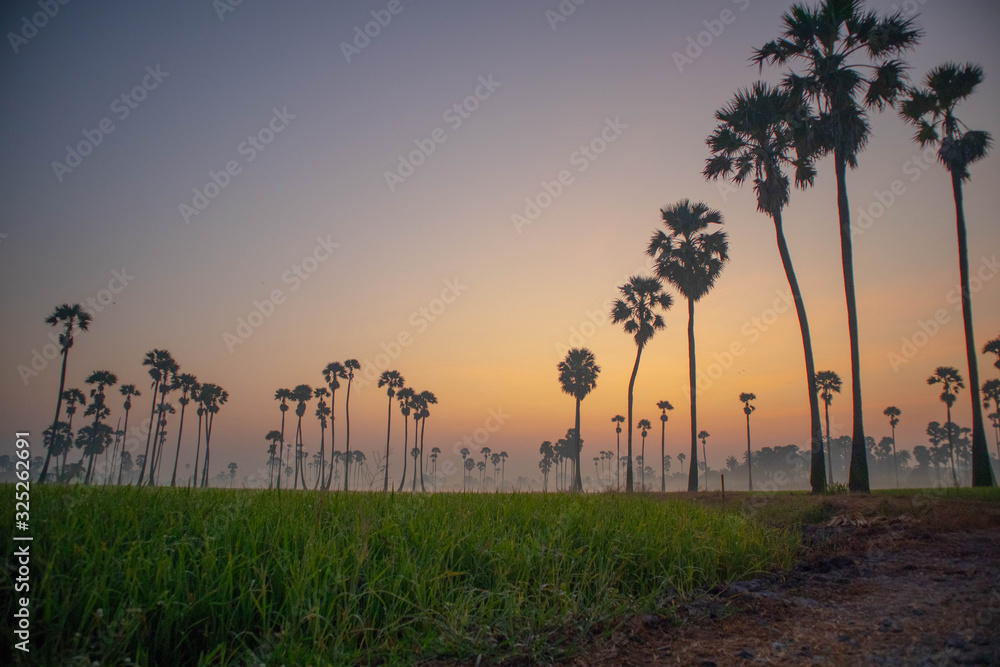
(266, 190)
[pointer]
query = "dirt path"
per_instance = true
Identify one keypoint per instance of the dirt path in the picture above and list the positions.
(884, 583)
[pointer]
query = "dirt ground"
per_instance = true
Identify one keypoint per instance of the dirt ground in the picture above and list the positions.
(884, 581)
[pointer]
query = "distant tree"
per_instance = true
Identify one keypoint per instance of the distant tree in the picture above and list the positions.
(128, 391)
(350, 365)
(578, 376)
(72, 396)
(100, 434)
(322, 413)
(950, 381)
(282, 395)
(465, 459)
(617, 420)
(704, 435)
(435, 453)
(333, 373)
(405, 397)
(639, 312)
(644, 427)
(232, 471)
(211, 397)
(274, 460)
(993, 347)
(545, 465)
(991, 392)
(468, 465)
(161, 367)
(893, 413)
(503, 468)
(392, 381)
(827, 384)
(188, 385)
(302, 394)
(70, 318)
(681, 457)
(664, 459)
(745, 399)
(427, 399)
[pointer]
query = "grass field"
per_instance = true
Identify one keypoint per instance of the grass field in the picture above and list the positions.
(182, 577)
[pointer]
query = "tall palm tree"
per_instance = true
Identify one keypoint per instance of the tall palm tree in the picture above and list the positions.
(322, 412)
(333, 373)
(663, 406)
(618, 420)
(638, 311)
(188, 385)
(70, 318)
(405, 398)
(991, 392)
(464, 452)
(160, 365)
(503, 468)
(644, 426)
(350, 366)
(705, 435)
(681, 457)
(418, 405)
(160, 438)
(827, 384)
(485, 451)
(98, 439)
(435, 453)
(392, 381)
(274, 437)
(282, 395)
(578, 376)
(755, 138)
(302, 394)
(893, 413)
(691, 259)
(72, 396)
(427, 398)
(951, 381)
(844, 51)
(745, 399)
(211, 397)
(932, 110)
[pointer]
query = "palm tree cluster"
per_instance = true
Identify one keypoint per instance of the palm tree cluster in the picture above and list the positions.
(98, 438)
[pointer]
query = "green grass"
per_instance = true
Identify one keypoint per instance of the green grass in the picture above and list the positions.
(183, 577)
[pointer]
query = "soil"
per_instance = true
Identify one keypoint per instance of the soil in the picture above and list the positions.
(907, 580)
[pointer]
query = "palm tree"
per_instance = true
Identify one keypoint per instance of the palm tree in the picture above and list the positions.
(892, 412)
(405, 397)
(211, 396)
(274, 437)
(836, 43)
(755, 137)
(991, 392)
(160, 439)
(827, 384)
(932, 110)
(435, 453)
(392, 381)
(637, 312)
(98, 439)
(417, 405)
(485, 451)
(465, 455)
(322, 413)
(302, 394)
(690, 259)
(704, 435)
(663, 406)
(72, 396)
(578, 376)
(426, 398)
(951, 381)
(468, 465)
(503, 468)
(495, 460)
(189, 385)
(644, 426)
(617, 420)
(745, 399)
(682, 457)
(333, 373)
(350, 366)
(160, 365)
(993, 347)
(70, 318)
(282, 395)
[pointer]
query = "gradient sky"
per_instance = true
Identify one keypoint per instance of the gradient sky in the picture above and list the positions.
(520, 296)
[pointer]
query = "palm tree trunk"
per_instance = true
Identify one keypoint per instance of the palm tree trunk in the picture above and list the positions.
(423, 424)
(121, 462)
(209, 420)
(858, 481)
(406, 454)
(149, 434)
(281, 453)
(618, 450)
(177, 456)
(578, 483)
(663, 456)
(895, 463)
(982, 473)
(829, 447)
(333, 437)
(693, 470)
(749, 459)
(388, 432)
(197, 453)
(816, 473)
(951, 446)
(631, 389)
(322, 456)
(416, 431)
(62, 387)
(347, 446)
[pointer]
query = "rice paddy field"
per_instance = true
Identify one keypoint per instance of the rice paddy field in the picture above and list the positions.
(239, 577)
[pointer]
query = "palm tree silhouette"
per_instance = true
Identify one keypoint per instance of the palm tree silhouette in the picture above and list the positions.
(128, 391)
(302, 394)
(350, 365)
(72, 396)
(274, 437)
(690, 259)
(426, 398)
(755, 137)
(282, 395)
(160, 366)
(417, 404)
(188, 385)
(637, 312)
(892, 412)
(826, 41)
(405, 397)
(950, 381)
(392, 381)
(704, 435)
(70, 318)
(993, 347)
(745, 399)
(435, 453)
(98, 436)
(932, 110)
(617, 420)
(465, 458)
(682, 457)
(211, 397)
(578, 376)
(991, 392)
(485, 451)
(333, 373)
(645, 426)
(827, 384)
(322, 414)
(503, 468)
(468, 465)
(663, 406)
(545, 465)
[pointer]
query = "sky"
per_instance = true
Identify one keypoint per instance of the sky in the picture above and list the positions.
(264, 188)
